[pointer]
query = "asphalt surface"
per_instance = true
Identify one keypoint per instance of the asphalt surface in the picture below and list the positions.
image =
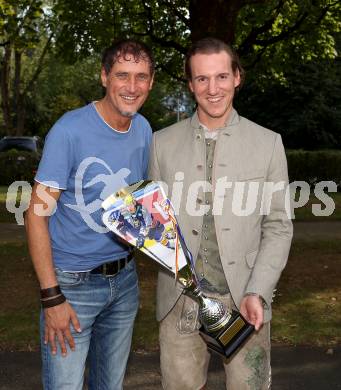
(293, 368)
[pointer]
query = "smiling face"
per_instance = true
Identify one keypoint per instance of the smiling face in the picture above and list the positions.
(213, 83)
(127, 86)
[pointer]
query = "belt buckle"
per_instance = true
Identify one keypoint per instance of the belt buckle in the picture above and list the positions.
(107, 275)
(119, 267)
(104, 273)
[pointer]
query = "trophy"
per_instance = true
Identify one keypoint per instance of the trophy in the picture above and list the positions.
(143, 217)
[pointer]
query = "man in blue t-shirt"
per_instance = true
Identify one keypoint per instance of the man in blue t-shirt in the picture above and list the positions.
(89, 289)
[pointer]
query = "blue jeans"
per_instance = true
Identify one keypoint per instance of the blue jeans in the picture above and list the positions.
(106, 308)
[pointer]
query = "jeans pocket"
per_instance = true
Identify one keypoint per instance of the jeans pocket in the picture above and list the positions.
(68, 279)
(131, 265)
(129, 269)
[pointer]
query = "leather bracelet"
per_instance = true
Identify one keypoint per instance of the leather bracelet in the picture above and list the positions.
(53, 302)
(50, 292)
(48, 299)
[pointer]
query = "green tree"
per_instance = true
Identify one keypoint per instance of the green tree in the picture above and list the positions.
(25, 38)
(261, 31)
(271, 36)
(166, 105)
(62, 87)
(304, 108)
(279, 41)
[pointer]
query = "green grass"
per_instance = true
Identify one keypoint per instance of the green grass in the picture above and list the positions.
(145, 335)
(307, 308)
(4, 194)
(5, 215)
(306, 214)
(18, 300)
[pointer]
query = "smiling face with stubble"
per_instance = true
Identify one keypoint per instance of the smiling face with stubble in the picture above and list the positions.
(127, 85)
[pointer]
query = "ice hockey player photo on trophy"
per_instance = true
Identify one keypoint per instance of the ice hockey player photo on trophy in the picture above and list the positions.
(143, 217)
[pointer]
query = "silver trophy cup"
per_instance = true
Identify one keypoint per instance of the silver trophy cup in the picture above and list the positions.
(223, 330)
(134, 221)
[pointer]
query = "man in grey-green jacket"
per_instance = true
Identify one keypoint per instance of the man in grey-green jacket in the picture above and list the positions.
(227, 179)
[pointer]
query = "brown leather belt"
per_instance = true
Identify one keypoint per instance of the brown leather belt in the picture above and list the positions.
(112, 268)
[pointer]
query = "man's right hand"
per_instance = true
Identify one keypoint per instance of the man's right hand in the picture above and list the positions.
(57, 327)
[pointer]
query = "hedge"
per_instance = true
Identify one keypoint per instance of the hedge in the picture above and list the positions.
(314, 166)
(310, 166)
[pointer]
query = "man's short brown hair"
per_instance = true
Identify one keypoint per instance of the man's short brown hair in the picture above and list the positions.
(210, 46)
(125, 48)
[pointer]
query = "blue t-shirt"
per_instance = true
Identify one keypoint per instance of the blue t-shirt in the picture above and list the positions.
(88, 160)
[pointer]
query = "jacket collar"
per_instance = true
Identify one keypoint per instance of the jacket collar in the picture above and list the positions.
(229, 127)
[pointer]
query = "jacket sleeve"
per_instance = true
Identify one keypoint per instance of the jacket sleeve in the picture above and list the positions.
(276, 229)
(153, 168)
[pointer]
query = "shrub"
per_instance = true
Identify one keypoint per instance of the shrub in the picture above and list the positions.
(17, 165)
(309, 166)
(314, 166)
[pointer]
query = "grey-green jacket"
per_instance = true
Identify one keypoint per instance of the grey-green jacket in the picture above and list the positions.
(253, 248)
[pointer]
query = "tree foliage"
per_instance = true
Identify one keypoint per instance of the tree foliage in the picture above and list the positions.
(305, 109)
(25, 37)
(266, 31)
(63, 87)
(287, 47)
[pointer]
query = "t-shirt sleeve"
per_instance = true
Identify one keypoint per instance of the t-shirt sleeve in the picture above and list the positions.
(56, 162)
(147, 150)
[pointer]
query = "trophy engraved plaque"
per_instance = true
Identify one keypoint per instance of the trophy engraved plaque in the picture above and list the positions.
(143, 217)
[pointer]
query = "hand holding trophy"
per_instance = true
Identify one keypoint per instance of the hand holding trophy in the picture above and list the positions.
(142, 216)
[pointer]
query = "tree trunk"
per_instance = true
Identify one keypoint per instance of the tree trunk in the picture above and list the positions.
(20, 116)
(215, 18)
(19, 101)
(5, 99)
(17, 79)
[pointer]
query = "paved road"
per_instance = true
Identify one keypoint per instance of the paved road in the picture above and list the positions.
(300, 368)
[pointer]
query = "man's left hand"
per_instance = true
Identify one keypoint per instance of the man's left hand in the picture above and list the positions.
(251, 309)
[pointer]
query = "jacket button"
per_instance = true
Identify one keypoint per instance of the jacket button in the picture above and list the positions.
(195, 232)
(199, 200)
